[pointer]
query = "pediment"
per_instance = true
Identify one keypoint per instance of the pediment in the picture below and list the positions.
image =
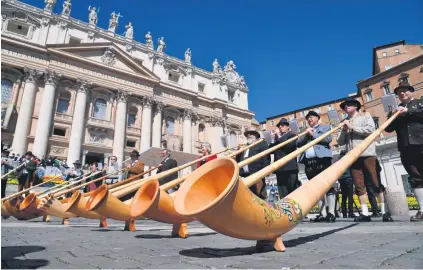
(107, 55)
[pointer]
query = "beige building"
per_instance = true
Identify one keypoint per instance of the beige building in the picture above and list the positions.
(391, 63)
(76, 91)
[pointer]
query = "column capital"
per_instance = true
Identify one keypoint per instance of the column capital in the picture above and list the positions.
(159, 107)
(51, 77)
(32, 75)
(147, 102)
(83, 85)
(122, 95)
(216, 121)
(188, 114)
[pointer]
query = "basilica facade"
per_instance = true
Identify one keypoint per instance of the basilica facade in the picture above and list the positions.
(78, 92)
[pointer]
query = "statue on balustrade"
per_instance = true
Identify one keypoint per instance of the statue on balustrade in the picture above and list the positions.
(129, 33)
(113, 22)
(66, 7)
(162, 45)
(92, 18)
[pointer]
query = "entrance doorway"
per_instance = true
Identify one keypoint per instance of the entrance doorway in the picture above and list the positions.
(92, 157)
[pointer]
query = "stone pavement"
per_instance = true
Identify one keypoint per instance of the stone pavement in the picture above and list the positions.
(344, 244)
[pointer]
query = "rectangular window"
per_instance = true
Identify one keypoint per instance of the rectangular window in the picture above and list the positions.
(386, 89)
(59, 132)
(369, 96)
(396, 51)
(62, 106)
(131, 120)
(74, 40)
(130, 143)
(387, 67)
(403, 79)
(19, 28)
(317, 110)
(173, 77)
(330, 108)
(384, 54)
(272, 123)
(201, 87)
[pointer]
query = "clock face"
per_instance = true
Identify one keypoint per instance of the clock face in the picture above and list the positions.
(231, 77)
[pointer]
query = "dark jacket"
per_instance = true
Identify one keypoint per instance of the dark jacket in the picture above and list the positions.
(409, 126)
(285, 150)
(258, 164)
(167, 165)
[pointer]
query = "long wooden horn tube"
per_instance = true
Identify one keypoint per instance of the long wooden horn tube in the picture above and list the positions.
(14, 170)
(216, 196)
(28, 189)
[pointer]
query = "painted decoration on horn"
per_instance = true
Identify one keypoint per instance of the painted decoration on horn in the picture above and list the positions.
(275, 211)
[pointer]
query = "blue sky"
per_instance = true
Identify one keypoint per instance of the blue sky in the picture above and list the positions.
(292, 54)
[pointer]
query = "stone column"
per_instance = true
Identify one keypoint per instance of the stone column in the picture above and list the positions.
(45, 117)
(157, 124)
(120, 126)
(218, 131)
(147, 104)
(26, 108)
(78, 122)
(187, 135)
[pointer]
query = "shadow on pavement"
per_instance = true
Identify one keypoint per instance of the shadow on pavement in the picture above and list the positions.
(218, 253)
(8, 255)
(155, 236)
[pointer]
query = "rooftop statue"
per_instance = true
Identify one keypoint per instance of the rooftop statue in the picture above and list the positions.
(162, 45)
(92, 18)
(114, 21)
(149, 39)
(129, 33)
(216, 66)
(188, 55)
(50, 4)
(66, 7)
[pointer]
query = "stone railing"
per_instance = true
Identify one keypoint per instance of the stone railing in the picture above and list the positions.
(63, 116)
(99, 123)
(133, 130)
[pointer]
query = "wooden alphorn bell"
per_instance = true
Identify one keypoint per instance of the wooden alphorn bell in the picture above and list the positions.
(109, 205)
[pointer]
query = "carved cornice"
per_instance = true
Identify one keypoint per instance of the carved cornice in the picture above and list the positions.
(45, 22)
(83, 85)
(62, 25)
(216, 121)
(52, 78)
(147, 102)
(32, 75)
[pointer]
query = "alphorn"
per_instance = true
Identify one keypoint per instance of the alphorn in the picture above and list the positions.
(31, 202)
(217, 197)
(74, 206)
(153, 202)
(109, 205)
(15, 169)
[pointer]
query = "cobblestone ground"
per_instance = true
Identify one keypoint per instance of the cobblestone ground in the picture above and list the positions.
(344, 244)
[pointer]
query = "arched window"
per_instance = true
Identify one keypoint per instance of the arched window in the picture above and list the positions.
(132, 116)
(100, 106)
(6, 91)
(201, 133)
(63, 102)
(170, 125)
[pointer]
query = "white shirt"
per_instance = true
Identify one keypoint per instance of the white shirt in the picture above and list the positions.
(245, 168)
(310, 153)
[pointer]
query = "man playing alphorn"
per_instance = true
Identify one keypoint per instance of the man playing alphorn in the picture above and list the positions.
(356, 128)
(317, 159)
(409, 129)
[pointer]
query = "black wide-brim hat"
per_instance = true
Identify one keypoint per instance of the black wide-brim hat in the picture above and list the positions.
(312, 113)
(404, 85)
(135, 153)
(252, 132)
(29, 153)
(283, 121)
(77, 162)
(350, 101)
